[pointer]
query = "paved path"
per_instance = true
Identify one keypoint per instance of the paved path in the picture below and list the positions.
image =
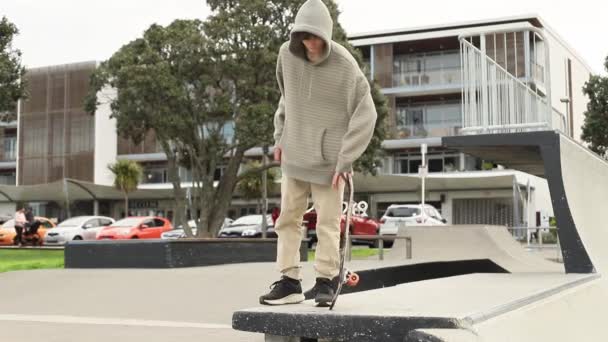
(188, 304)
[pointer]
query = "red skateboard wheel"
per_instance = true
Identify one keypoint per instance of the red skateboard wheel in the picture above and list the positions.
(352, 279)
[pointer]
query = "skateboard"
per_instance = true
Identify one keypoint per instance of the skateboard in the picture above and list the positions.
(345, 277)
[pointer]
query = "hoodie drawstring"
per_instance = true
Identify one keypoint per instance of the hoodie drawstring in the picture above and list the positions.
(310, 85)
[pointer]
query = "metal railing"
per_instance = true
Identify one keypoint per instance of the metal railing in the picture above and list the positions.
(496, 101)
(380, 239)
(533, 238)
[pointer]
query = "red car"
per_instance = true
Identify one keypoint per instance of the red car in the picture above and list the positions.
(360, 225)
(146, 227)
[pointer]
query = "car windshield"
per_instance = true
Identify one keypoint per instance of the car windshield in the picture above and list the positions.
(73, 222)
(247, 220)
(127, 222)
(404, 212)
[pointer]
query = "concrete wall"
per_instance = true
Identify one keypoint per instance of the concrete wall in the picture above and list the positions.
(560, 53)
(7, 208)
(106, 139)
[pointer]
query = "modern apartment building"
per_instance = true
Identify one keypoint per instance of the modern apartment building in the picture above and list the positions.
(467, 78)
(511, 74)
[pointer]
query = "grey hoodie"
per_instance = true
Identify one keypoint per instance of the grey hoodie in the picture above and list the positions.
(326, 116)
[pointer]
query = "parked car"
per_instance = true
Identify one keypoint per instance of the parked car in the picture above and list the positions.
(410, 215)
(4, 218)
(179, 232)
(236, 228)
(77, 228)
(360, 225)
(257, 232)
(135, 227)
(7, 231)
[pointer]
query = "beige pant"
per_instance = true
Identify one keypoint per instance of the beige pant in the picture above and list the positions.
(294, 202)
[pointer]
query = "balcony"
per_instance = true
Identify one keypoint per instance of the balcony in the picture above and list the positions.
(8, 178)
(9, 153)
(155, 176)
(427, 120)
(426, 73)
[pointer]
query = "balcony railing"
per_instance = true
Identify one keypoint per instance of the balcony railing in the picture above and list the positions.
(495, 101)
(429, 120)
(10, 149)
(428, 69)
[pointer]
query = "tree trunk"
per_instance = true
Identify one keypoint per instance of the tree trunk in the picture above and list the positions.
(179, 213)
(225, 189)
(126, 205)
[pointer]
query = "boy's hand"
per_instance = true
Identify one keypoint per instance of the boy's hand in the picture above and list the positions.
(277, 154)
(337, 176)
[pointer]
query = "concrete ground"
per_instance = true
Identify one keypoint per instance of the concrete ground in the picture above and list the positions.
(188, 304)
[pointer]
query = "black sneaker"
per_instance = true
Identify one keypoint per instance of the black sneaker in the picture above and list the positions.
(284, 291)
(322, 292)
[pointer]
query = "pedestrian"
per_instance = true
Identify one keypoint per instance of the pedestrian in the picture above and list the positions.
(324, 122)
(20, 222)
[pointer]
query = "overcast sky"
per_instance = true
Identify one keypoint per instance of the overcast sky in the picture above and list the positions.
(67, 31)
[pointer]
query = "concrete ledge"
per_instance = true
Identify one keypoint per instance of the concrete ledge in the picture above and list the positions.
(393, 313)
(336, 327)
(171, 253)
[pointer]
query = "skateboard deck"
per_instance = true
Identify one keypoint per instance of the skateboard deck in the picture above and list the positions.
(345, 277)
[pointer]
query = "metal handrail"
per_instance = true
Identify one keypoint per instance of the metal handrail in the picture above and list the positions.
(487, 97)
(381, 238)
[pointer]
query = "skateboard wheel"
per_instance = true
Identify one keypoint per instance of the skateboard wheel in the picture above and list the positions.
(352, 280)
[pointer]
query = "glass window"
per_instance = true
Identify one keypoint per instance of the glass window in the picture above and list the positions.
(435, 165)
(91, 223)
(155, 175)
(451, 164)
(405, 212)
(414, 164)
(104, 222)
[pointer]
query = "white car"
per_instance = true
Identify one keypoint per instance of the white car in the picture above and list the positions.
(77, 228)
(179, 233)
(410, 215)
(248, 223)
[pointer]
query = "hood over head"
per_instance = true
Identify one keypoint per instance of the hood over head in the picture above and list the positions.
(313, 17)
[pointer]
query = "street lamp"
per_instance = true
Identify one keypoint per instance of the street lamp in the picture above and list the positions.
(264, 192)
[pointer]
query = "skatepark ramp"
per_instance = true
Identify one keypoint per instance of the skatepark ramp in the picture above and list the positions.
(466, 242)
(536, 301)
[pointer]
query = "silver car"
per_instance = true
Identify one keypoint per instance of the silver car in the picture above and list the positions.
(77, 228)
(179, 233)
(244, 223)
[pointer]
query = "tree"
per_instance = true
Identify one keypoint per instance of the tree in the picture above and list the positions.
(12, 87)
(257, 38)
(250, 186)
(595, 127)
(192, 82)
(161, 83)
(127, 175)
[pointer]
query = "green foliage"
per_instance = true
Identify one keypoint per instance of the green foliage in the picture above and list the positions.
(127, 175)
(254, 41)
(12, 87)
(250, 186)
(595, 128)
(191, 80)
